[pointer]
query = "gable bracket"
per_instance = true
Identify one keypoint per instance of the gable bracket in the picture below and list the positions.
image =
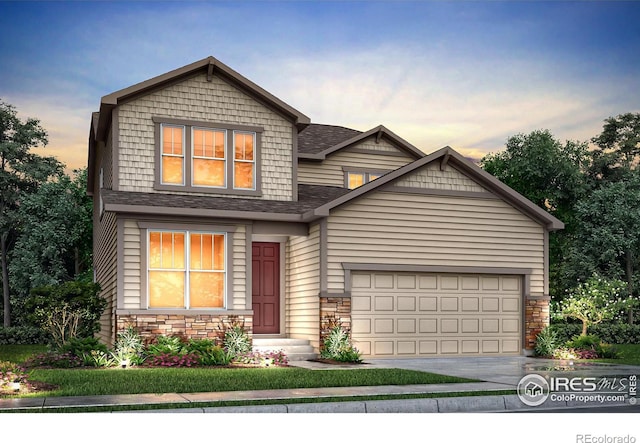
(444, 161)
(378, 136)
(210, 71)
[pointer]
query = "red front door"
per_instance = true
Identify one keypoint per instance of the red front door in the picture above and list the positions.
(266, 287)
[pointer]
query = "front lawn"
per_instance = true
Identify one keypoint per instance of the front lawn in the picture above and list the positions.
(629, 355)
(137, 380)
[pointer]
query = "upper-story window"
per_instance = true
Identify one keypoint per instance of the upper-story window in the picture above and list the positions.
(207, 157)
(355, 179)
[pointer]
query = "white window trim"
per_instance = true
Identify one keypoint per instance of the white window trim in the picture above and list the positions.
(186, 270)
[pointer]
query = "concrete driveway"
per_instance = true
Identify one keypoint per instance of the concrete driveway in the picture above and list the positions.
(506, 370)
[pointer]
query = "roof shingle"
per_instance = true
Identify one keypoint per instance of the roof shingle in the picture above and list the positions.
(316, 138)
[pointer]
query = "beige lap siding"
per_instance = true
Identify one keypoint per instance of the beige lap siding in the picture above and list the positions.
(417, 229)
(330, 173)
(105, 265)
(133, 289)
(303, 286)
(200, 100)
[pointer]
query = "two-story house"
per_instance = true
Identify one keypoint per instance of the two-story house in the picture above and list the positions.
(213, 198)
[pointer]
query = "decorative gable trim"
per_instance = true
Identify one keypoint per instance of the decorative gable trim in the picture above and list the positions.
(483, 178)
(378, 132)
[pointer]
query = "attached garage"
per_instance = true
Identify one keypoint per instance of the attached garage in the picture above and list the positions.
(403, 314)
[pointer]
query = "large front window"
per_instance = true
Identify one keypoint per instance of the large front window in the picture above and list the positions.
(186, 269)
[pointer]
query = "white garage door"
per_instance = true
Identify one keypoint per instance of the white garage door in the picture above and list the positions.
(416, 315)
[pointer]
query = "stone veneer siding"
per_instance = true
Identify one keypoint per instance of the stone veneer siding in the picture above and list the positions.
(536, 319)
(338, 308)
(187, 326)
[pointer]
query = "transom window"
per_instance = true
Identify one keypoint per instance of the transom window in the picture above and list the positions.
(357, 179)
(186, 269)
(206, 157)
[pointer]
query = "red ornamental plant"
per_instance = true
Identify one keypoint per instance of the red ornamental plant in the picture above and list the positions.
(171, 360)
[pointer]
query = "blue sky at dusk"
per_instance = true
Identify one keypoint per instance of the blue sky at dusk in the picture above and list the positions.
(464, 74)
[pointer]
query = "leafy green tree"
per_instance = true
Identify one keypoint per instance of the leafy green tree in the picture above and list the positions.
(608, 241)
(55, 241)
(594, 301)
(21, 172)
(551, 175)
(617, 149)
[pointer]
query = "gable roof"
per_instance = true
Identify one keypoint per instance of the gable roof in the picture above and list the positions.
(316, 138)
(447, 155)
(211, 66)
(323, 140)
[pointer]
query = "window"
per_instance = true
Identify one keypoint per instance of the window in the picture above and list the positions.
(172, 143)
(207, 157)
(243, 160)
(186, 269)
(356, 179)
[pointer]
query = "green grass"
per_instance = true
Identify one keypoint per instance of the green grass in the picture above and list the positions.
(75, 382)
(78, 382)
(19, 353)
(629, 355)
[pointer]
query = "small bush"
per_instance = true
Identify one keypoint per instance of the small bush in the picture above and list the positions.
(546, 342)
(210, 354)
(81, 346)
(66, 310)
(22, 335)
(172, 360)
(11, 373)
(584, 342)
(53, 359)
(336, 344)
(166, 345)
(98, 358)
(129, 348)
(236, 339)
(269, 358)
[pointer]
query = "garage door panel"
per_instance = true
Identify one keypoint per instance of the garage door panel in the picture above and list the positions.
(409, 314)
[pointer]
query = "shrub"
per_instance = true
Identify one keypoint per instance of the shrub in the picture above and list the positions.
(336, 344)
(614, 333)
(54, 359)
(584, 342)
(210, 354)
(81, 346)
(172, 360)
(236, 340)
(546, 342)
(22, 335)
(66, 310)
(98, 358)
(128, 348)
(167, 345)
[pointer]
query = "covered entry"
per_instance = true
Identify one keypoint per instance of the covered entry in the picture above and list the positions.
(402, 314)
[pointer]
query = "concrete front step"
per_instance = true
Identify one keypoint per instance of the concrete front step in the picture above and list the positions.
(295, 349)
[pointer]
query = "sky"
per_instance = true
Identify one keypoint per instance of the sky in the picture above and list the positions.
(465, 74)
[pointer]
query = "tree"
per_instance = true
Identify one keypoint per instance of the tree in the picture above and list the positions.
(617, 149)
(21, 172)
(594, 301)
(55, 240)
(608, 241)
(551, 175)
